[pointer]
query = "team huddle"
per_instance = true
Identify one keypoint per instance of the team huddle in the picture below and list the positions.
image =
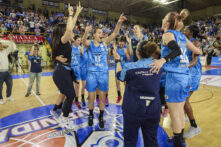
(153, 77)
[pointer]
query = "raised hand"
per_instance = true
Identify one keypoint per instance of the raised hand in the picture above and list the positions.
(115, 54)
(79, 8)
(122, 18)
(70, 9)
(128, 39)
(88, 29)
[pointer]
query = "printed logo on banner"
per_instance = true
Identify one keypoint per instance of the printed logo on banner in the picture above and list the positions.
(36, 127)
(216, 61)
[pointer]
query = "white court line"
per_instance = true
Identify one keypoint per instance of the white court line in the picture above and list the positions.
(38, 98)
(17, 140)
(38, 137)
(25, 141)
(25, 122)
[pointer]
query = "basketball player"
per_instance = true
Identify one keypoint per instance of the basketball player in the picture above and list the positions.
(98, 75)
(62, 74)
(77, 51)
(175, 61)
(141, 105)
(83, 71)
(123, 52)
(192, 32)
(138, 36)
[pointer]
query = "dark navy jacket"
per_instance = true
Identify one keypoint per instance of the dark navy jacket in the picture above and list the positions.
(141, 96)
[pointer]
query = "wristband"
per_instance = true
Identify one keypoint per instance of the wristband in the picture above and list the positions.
(70, 15)
(118, 60)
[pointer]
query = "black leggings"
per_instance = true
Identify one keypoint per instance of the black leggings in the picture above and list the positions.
(162, 96)
(64, 81)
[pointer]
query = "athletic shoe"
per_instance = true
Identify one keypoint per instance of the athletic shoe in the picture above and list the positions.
(2, 102)
(165, 113)
(27, 94)
(65, 122)
(38, 93)
(101, 123)
(83, 102)
(119, 99)
(90, 120)
(10, 99)
(77, 105)
(107, 101)
(54, 113)
(98, 101)
(192, 132)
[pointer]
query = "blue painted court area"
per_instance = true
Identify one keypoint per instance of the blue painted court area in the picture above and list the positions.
(37, 120)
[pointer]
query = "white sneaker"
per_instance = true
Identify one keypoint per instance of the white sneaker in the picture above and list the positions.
(65, 122)
(2, 102)
(10, 99)
(192, 132)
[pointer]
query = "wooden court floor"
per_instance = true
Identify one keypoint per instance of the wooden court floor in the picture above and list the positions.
(206, 105)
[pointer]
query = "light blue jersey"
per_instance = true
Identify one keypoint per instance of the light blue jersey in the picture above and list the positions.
(198, 67)
(180, 63)
(75, 56)
(123, 57)
(195, 71)
(97, 57)
(75, 60)
(84, 59)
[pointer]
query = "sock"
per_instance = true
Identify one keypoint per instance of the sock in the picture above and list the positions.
(82, 96)
(101, 114)
(177, 139)
(193, 123)
(118, 93)
(57, 107)
(76, 99)
(97, 96)
(91, 112)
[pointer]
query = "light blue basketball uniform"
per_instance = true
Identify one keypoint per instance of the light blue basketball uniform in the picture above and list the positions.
(83, 65)
(123, 58)
(195, 71)
(75, 59)
(98, 75)
(177, 82)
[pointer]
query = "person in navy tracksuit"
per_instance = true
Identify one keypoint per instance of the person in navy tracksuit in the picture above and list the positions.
(141, 103)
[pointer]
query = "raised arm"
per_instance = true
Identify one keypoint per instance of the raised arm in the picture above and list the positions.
(129, 47)
(116, 30)
(32, 50)
(81, 50)
(70, 23)
(86, 42)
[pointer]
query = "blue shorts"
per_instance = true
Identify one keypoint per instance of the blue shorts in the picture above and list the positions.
(83, 73)
(177, 87)
(96, 80)
(195, 81)
(77, 72)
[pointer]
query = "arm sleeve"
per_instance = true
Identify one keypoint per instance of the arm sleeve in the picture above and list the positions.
(176, 51)
(122, 74)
